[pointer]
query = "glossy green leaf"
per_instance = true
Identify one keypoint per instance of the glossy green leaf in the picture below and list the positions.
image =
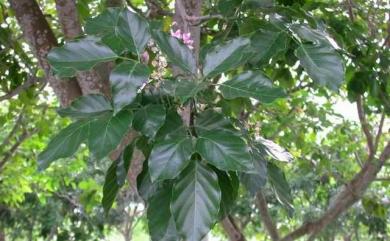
(108, 132)
(253, 182)
(229, 191)
(182, 89)
(78, 56)
(251, 84)
(105, 25)
(146, 189)
(125, 80)
(110, 187)
(133, 30)
(124, 162)
(149, 119)
(87, 106)
(177, 53)
(275, 151)
(282, 188)
(225, 56)
(224, 150)
(160, 221)
(173, 127)
(64, 144)
(210, 120)
(266, 44)
(169, 157)
(195, 201)
(319, 58)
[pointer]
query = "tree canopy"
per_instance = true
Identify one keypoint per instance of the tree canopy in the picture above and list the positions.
(194, 120)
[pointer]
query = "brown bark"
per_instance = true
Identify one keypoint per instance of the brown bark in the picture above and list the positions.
(232, 230)
(265, 217)
(89, 81)
(41, 39)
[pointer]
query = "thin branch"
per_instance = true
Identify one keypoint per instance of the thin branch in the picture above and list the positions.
(8, 155)
(379, 133)
(232, 230)
(365, 127)
(31, 80)
(265, 217)
(7, 140)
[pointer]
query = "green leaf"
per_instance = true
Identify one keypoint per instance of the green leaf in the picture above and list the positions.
(169, 157)
(149, 119)
(125, 80)
(110, 187)
(173, 127)
(266, 44)
(133, 30)
(210, 120)
(275, 151)
(251, 84)
(160, 221)
(279, 183)
(185, 89)
(229, 191)
(224, 150)
(320, 60)
(177, 53)
(124, 162)
(253, 182)
(78, 56)
(105, 25)
(145, 187)
(225, 56)
(195, 201)
(87, 106)
(172, 151)
(106, 133)
(64, 144)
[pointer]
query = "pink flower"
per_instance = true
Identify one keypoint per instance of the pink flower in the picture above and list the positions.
(145, 57)
(176, 34)
(186, 36)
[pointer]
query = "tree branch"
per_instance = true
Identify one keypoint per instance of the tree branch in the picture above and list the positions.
(344, 199)
(365, 127)
(31, 80)
(379, 132)
(232, 230)
(17, 124)
(265, 217)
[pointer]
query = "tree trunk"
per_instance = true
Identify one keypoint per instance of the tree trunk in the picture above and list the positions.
(41, 39)
(90, 81)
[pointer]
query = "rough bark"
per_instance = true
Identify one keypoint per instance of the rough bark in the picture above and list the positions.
(232, 230)
(89, 81)
(41, 39)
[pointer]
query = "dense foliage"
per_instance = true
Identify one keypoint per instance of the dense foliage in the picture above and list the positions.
(188, 128)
